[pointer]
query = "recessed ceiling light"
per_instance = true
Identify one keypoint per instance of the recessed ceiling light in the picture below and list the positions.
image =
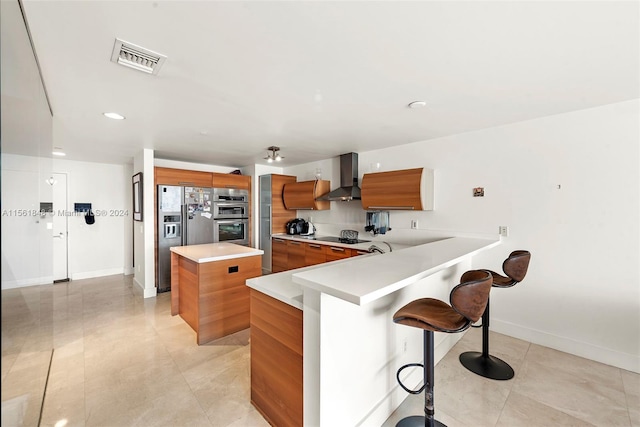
(417, 104)
(114, 116)
(58, 153)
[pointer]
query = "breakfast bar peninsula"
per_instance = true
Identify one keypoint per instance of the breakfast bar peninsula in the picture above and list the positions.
(324, 348)
(208, 287)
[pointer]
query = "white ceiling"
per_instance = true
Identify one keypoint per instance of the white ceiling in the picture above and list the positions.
(321, 78)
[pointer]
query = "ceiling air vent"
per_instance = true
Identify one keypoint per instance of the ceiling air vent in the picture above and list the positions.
(136, 57)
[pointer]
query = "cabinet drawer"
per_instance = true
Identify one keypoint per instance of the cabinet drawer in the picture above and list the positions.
(356, 252)
(314, 254)
(279, 255)
(296, 254)
(336, 252)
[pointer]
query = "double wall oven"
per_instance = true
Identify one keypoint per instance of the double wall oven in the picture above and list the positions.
(231, 215)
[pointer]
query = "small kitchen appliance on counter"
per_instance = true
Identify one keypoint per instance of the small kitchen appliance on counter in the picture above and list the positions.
(295, 226)
(308, 229)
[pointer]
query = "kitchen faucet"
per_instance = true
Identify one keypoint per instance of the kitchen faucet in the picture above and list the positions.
(374, 248)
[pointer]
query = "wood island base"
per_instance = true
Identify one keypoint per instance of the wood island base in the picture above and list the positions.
(211, 296)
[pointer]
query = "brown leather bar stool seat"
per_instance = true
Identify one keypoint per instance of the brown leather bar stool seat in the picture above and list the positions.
(468, 302)
(515, 267)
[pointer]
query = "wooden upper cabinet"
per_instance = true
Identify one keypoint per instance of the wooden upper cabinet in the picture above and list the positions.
(230, 180)
(170, 176)
(302, 195)
(409, 189)
(279, 213)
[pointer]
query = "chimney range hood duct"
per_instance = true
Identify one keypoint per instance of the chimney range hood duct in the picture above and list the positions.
(349, 189)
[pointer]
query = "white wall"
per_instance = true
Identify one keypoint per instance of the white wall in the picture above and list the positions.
(175, 164)
(127, 189)
(143, 231)
(27, 244)
(93, 250)
(582, 292)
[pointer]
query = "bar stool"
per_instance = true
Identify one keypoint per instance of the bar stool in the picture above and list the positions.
(468, 302)
(515, 267)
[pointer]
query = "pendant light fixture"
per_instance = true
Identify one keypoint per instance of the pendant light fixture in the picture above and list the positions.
(273, 153)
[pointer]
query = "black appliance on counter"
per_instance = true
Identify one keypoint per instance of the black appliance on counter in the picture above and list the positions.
(296, 226)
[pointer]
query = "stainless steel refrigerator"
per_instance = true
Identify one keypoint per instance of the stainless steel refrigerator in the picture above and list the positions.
(185, 217)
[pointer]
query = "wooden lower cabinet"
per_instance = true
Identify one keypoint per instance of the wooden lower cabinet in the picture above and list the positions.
(276, 360)
(279, 255)
(290, 254)
(336, 252)
(356, 252)
(212, 297)
(296, 254)
(314, 254)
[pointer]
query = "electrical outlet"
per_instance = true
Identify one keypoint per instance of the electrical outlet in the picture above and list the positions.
(504, 231)
(414, 224)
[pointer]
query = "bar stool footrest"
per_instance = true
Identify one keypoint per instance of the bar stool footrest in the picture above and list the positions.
(403, 386)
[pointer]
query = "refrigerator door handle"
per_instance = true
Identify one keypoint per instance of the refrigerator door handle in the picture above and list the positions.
(185, 227)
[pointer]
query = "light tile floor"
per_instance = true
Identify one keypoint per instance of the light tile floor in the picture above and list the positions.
(108, 357)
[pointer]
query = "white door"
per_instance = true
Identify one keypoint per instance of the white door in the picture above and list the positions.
(60, 232)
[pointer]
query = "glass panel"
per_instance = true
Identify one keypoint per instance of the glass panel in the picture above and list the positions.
(27, 167)
(231, 231)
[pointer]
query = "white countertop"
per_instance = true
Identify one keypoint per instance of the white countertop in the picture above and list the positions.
(215, 252)
(281, 285)
(365, 278)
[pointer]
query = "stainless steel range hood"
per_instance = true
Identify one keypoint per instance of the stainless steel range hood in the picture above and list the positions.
(349, 189)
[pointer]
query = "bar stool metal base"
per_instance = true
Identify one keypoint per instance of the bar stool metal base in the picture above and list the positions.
(418, 421)
(486, 366)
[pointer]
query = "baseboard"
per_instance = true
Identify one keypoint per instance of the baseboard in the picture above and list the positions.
(145, 292)
(629, 362)
(128, 271)
(96, 273)
(23, 283)
(150, 292)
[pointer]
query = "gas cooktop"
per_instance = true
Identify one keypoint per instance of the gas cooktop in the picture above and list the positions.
(340, 240)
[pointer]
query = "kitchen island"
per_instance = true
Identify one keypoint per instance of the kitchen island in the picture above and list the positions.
(208, 287)
(351, 348)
